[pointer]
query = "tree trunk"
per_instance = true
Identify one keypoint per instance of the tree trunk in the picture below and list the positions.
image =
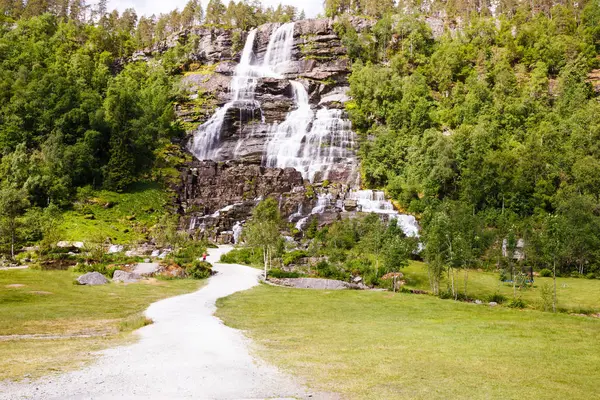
(466, 280)
(265, 255)
(554, 281)
(12, 243)
(452, 279)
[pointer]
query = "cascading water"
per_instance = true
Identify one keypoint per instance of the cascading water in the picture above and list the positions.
(373, 201)
(310, 142)
(205, 144)
(313, 141)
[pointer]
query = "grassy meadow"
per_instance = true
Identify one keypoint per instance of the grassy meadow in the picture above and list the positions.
(49, 303)
(126, 220)
(381, 345)
(578, 295)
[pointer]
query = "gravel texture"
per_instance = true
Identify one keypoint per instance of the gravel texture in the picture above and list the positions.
(186, 354)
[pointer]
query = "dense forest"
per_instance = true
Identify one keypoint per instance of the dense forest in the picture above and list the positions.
(485, 129)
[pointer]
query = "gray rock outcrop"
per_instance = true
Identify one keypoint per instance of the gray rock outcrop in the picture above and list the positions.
(126, 277)
(92, 279)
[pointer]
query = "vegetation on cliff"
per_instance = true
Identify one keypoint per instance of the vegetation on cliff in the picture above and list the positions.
(492, 120)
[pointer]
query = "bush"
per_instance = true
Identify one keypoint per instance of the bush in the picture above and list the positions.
(199, 270)
(517, 303)
(245, 256)
(293, 257)
(545, 273)
(497, 298)
(576, 274)
(104, 269)
(591, 275)
(328, 271)
(279, 274)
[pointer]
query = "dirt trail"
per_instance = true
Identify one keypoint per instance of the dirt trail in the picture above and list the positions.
(186, 353)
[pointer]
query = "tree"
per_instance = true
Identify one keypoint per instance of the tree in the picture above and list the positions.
(13, 203)
(215, 12)
(554, 243)
(263, 230)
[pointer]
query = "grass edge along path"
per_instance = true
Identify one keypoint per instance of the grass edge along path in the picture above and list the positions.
(48, 303)
(376, 345)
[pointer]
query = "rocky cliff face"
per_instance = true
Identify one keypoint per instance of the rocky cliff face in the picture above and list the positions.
(266, 119)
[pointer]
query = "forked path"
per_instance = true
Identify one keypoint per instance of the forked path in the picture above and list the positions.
(187, 353)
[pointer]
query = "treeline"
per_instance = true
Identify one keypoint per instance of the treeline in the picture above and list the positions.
(136, 32)
(496, 122)
(451, 10)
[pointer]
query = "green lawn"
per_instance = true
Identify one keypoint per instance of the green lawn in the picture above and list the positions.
(573, 294)
(128, 220)
(47, 302)
(380, 345)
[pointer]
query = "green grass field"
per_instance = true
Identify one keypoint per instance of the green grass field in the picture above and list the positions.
(381, 345)
(131, 215)
(574, 295)
(48, 303)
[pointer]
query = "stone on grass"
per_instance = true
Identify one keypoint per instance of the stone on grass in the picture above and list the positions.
(146, 269)
(92, 279)
(126, 277)
(478, 302)
(493, 304)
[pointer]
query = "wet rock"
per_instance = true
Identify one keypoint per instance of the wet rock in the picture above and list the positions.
(92, 279)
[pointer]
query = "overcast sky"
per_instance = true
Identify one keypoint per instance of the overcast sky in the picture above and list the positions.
(149, 7)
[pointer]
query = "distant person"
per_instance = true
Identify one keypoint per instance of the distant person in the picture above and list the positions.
(204, 256)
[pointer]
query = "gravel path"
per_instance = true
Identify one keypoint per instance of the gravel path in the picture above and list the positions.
(186, 354)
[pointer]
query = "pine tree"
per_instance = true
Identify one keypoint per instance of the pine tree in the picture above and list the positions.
(215, 11)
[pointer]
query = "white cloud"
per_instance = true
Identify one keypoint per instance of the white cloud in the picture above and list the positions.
(149, 7)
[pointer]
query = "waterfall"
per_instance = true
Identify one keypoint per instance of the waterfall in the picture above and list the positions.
(205, 144)
(310, 142)
(279, 51)
(237, 232)
(373, 201)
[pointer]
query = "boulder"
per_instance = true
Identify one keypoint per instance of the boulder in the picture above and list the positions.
(126, 277)
(146, 269)
(92, 279)
(493, 304)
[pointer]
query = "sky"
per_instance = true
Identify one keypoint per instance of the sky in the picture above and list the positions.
(149, 7)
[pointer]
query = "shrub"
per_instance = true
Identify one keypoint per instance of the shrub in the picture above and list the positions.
(246, 256)
(576, 274)
(517, 303)
(104, 269)
(326, 270)
(293, 256)
(545, 273)
(199, 270)
(591, 275)
(279, 274)
(497, 298)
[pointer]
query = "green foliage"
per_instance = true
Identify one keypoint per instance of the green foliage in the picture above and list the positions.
(244, 256)
(293, 257)
(517, 303)
(545, 273)
(497, 298)
(104, 268)
(279, 274)
(199, 270)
